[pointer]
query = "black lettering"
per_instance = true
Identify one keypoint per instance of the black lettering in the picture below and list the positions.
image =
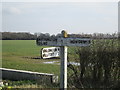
(79, 41)
(84, 41)
(89, 41)
(71, 41)
(44, 43)
(40, 43)
(76, 41)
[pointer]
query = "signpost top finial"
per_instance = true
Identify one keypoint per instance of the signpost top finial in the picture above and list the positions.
(64, 33)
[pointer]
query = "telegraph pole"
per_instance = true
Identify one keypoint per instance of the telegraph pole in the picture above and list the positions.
(63, 68)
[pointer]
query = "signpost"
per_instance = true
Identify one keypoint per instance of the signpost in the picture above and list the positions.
(68, 41)
(63, 42)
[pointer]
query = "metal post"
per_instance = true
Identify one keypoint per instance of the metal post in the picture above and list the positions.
(63, 71)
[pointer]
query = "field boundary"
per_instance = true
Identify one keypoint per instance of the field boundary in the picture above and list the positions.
(12, 74)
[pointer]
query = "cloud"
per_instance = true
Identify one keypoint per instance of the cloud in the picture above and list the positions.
(15, 10)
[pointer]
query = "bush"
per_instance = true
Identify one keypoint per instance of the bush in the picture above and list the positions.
(99, 65)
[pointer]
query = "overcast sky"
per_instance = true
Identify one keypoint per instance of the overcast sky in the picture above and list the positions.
(52, 17)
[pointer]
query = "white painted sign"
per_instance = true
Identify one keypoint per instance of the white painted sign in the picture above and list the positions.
(50, 52)
(73, 41)
(64, 42)
(46, 42)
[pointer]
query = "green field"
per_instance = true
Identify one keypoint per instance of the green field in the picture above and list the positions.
(16, 54)
(102, 57)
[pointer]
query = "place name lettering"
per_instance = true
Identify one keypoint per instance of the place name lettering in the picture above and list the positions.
(42, 43)
(78, 41)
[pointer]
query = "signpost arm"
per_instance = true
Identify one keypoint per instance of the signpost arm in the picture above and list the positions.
(63, 74)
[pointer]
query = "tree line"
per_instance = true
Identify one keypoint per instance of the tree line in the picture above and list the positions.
(29, 36)
(17, 36)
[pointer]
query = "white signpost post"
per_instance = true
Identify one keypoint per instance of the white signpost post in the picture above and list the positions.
(63, 43)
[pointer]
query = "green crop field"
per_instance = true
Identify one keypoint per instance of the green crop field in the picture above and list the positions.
(18, 54)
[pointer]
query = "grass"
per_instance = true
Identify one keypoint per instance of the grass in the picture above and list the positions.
(27, 84)
(15, 51)
(16, 54)
(7, 84)
(20, 47)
